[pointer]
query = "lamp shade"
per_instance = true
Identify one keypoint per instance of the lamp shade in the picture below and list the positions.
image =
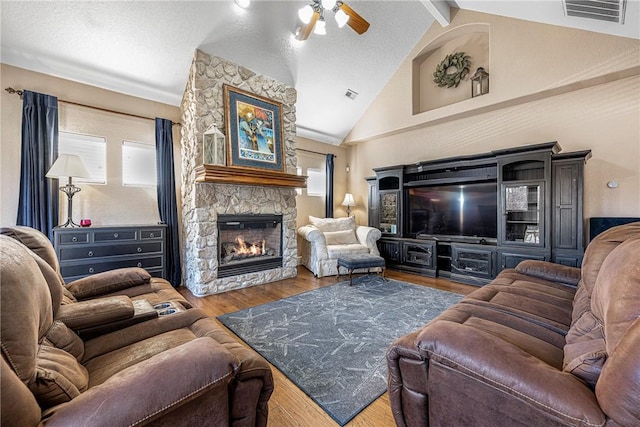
(68, 165)
(348, 200)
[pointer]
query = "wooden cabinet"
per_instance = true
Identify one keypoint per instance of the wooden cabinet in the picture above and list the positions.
(418, 256)
(539, 213)
(473, 264)
(390, 201)
(567, 245)
(85, 251)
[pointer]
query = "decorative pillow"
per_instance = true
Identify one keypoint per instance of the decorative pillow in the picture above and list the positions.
(346, 237)
(333, 224)
(59, 377)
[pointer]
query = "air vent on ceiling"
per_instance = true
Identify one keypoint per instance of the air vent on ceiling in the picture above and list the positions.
(602, 10)
(352, 94)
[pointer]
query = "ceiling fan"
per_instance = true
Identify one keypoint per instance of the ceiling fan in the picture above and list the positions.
(312, 17)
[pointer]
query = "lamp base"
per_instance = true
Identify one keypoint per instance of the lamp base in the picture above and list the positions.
(69, 224)
(69, 190)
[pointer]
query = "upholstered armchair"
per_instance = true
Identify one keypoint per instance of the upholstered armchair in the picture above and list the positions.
(325, 239)
(133, 282)
(181, 369)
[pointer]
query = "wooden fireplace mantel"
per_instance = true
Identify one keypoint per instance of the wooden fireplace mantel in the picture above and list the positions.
(240, 176)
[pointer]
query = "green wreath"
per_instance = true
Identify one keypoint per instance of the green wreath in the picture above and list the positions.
(461, 63)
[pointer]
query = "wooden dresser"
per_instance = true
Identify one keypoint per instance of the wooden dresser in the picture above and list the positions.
(86, 251)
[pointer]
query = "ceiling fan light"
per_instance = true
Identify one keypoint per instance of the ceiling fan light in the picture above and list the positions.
(328, 4)
(341, 18)
(243, 3)
(305, 14)
(320, 28)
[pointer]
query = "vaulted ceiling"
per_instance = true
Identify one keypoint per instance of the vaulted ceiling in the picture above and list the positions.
(145, 48)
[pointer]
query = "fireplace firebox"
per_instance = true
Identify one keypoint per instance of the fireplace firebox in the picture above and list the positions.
(248, 243)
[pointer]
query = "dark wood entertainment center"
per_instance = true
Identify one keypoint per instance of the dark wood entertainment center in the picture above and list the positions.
(538, 212)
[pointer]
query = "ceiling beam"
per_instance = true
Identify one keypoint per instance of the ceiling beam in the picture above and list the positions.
(439, 9)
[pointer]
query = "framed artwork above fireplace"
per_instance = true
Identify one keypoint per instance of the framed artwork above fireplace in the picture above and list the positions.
(254, 129)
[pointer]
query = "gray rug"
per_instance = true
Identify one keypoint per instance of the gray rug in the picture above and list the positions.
(331, 342)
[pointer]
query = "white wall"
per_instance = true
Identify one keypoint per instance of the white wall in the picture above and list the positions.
(107, 204)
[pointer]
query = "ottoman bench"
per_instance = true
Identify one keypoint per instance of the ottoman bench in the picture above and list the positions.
(359, 261)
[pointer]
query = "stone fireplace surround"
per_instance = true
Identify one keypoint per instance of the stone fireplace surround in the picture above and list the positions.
(203, 105)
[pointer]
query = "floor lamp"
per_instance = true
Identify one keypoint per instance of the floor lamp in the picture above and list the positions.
(71, 166)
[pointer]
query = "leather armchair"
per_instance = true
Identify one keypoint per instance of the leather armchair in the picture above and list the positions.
(180, 369)
(135, 283)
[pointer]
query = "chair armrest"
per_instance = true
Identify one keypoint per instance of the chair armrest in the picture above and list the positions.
(99, 311)
(483, 357)
(312, 234)
(368, 236)
(550, 271)
(108, 282)
(151, 389)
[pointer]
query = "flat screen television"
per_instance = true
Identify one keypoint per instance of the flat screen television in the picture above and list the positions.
(468, 210)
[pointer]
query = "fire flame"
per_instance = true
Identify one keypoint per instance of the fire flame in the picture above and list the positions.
(254, 249)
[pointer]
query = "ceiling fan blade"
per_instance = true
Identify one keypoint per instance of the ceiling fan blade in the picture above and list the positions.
(357, 22)
(305, 30)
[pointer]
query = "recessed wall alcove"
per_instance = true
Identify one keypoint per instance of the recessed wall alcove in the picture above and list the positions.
(473, 39)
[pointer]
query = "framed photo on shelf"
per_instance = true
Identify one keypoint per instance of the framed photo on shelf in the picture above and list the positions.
(532, 234)
(254, 130)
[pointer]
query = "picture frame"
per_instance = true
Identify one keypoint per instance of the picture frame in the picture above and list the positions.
(254, 130)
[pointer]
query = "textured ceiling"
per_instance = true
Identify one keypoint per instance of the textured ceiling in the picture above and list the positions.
(145, 48)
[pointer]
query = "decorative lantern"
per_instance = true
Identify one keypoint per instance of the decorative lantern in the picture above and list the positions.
(479, 83)
(213, 147)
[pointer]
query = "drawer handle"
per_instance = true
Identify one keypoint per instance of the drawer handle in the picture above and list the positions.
(91, 270)
(139, 250)
(90, 253)
(152, 235)
(139, 264)
(74, 239)
(115, 235)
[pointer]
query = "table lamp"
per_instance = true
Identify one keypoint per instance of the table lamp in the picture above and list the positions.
(348, 202)
(71, 166)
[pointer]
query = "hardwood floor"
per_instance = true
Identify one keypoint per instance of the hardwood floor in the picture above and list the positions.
(290, 406)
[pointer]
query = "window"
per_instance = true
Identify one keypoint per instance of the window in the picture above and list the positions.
(91, 149)
(316, 182)
(138, 164)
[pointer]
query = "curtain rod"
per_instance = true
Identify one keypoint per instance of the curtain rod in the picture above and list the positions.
(20, 92)
(315, 152)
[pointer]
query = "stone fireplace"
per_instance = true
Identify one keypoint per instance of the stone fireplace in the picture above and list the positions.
(206, 205)
(248, 243)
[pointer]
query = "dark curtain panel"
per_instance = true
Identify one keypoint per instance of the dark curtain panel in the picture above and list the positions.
(329, 199)
(38, 201)
(167, 203)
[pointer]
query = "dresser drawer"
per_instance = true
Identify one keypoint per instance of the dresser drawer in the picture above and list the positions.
(71, 238)
(115, 235)
(151, 234)
(87, 268)
(98, 251)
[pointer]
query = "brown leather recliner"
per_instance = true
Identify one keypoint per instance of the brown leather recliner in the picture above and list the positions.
(181, 369)
(133, 282)
(531, 348)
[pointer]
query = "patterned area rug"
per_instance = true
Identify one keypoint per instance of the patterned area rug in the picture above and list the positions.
(331, 342)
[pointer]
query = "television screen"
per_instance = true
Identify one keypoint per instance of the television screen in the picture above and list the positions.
(454, 210)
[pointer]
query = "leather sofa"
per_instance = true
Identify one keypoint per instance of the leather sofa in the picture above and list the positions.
(325, 239)
(177, 369)
(541, 345)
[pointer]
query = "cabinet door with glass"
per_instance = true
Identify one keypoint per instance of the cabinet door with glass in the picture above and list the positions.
(523, 213)
(389, 212)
